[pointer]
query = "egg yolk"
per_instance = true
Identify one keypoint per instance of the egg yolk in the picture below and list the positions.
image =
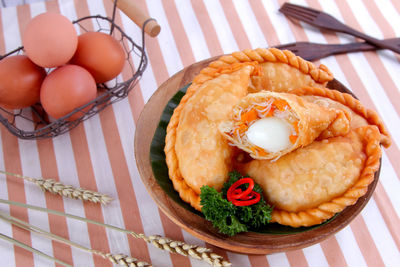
(271, 134)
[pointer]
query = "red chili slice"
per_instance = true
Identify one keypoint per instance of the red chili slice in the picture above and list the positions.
(247, 197)
(233, 192)
(255, 197)
(239, 197)
(237, 191)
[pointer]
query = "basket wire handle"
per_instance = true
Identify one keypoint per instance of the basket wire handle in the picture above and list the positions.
(113, 16)
(140, 18)
(153, 30)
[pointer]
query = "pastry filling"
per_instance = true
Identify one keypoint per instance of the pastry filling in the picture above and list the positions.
(269, 127)
(271, 134)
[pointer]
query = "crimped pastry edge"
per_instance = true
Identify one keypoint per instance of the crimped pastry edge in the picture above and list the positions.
(348, 100)
(327, 210)
(319, 74)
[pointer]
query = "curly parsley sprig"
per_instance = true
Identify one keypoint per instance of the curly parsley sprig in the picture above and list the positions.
(231, 219)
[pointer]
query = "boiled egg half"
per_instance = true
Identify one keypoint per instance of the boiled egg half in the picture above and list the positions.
(271, 134)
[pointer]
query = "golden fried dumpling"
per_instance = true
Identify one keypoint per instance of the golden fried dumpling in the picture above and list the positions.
(287, 72)
(356, 120)
(268, 125)
(359, 114)
(203, 155)
(282, 70)
(311, 184)
(196, 153)
(289, 68)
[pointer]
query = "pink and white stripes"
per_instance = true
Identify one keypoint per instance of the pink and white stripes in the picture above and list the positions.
(98, 154)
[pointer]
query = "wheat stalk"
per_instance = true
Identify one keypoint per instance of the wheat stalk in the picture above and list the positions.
(31, 249)
(69, 191)
(179, 247)
(124, 260)
(114, 258)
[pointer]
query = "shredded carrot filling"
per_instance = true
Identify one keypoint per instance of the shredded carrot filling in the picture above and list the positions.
(242, 128)
(249, 116)
(261, 152)
(270, 112)
(295, 125)
(263, 110)
(280, 104)
(253, 149)
(293, 138)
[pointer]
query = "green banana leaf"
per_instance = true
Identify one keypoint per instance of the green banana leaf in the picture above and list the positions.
(160, 170)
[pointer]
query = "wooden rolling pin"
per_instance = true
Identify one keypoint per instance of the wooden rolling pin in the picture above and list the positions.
(138, 16)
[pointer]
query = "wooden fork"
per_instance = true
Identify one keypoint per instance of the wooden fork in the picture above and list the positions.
(314, 51)
(326, 21)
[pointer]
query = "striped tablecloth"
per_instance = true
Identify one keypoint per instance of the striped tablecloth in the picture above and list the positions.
(98, 154)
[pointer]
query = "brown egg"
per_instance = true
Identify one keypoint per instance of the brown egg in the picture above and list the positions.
(20, 82)
(65, 89)
(50, 40)
(101, 54)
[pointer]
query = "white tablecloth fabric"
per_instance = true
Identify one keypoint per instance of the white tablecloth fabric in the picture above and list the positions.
(99, 153)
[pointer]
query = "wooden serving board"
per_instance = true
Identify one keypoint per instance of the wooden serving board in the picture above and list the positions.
(250, 242)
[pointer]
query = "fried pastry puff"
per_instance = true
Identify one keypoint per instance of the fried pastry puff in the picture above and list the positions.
(198, 154)
(287, 72)
(280, 71)
(313, 183)
(204, 156)
(360, 115)
(268, 125)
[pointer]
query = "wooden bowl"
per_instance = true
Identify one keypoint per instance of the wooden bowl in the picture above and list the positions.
(275, 239)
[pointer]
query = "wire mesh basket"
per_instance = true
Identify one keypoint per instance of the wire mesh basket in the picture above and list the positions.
(34, 123)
